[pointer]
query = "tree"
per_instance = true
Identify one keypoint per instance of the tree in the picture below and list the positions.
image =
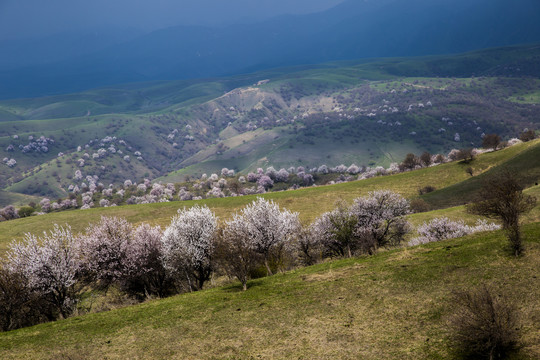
(19, 305)
(9, 213)
(465, 155)
(266, 182)
(502, 197)
(491, 141)
(145, 273)
(50, 265)
(308, 246)
(235, 251)
(188, 245)
(409, 162)
(25, 211)
(370, 222)
(527, 135)
(336, 230)
(425, 158)
(381, 216)
(268, 227)
(104, 250)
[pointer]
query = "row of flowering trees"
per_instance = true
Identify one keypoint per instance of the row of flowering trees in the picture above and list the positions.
(53, 271)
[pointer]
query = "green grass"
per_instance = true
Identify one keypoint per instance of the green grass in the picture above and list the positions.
(394, 305)
(16, 199)
(521, 161)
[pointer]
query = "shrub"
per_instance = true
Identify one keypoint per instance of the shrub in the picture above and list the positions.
(419, 205)
(426, 189)
(484, 326)
(25, 211)
(443, 228)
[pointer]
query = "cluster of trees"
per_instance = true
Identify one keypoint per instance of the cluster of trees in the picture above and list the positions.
(43, 278)
(91, 193)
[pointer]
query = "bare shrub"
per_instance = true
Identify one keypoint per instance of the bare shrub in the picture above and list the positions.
(426, 189)
(484, 325)
(419, 205)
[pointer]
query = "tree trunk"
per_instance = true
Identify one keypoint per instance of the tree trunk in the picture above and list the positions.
(268, 270)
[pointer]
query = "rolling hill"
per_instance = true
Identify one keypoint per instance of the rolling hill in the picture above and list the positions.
(453, 186)
(364, 112)
(392, 305)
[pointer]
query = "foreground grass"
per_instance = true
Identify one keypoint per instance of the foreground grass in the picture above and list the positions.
(394, 305)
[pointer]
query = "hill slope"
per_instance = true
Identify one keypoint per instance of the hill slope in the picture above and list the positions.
(449, 179)
(393, 305)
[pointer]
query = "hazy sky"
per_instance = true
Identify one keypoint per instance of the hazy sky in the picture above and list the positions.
(29, 18)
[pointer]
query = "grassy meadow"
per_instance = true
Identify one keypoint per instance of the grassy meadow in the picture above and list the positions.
(393, 305)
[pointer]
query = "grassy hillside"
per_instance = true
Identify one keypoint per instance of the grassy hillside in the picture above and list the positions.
(394, 305)
(523, 164)
(15, 198)
(309, 202)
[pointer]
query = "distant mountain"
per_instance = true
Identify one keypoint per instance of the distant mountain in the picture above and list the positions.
(353, 29)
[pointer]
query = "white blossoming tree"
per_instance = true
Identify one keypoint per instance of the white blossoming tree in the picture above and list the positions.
(381, 216)
(188, 245)
(104, 250)
(50, 265)
(267, 227)
(370, 222)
